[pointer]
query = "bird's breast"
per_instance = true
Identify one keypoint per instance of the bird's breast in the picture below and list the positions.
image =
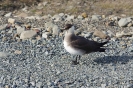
(72, 50)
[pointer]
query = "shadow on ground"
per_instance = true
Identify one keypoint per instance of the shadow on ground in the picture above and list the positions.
(113, 59)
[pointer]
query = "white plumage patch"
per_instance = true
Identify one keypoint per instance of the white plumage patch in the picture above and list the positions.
(72, 50)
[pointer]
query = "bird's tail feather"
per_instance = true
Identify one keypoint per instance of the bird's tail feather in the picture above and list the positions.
(101, 50)
(101, 44)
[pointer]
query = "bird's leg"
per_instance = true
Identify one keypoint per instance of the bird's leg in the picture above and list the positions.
(76, 61)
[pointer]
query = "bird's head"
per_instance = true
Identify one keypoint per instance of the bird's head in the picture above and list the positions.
(69, 28)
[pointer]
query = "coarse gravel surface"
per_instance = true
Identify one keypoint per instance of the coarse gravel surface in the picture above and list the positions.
(46, 64)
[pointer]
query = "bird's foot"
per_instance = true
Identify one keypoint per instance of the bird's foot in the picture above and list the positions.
(75, 62)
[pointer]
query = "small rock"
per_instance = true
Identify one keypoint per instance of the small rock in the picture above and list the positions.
(25, 9)
(4, 39)
(61, 14)
(33, 41)
(96, 17)
(100, 34)
(69, 18)
(17, 52)
(8, 14)
(3, 54)
(46, 35)
(84, 15)
(113, 18)
(80, 17)
(38, 37)
(22, 15)
(52, 28)
(130, 24)
(27, 34)
(10, 31)
(110, 33)
(31, 17)
(33, 83)
(50, 83)
(96, 39)
(44, 3)
(19, 29)
(2, 27)
(110, 23)
(56, 81)
(124, 22)
(16, 36)
(88, 35)
(28, 26)
(57, 18)
(39, 84)
(123, 33)
(103, 85)
(7, 86)
(103, 16)
(11, 20)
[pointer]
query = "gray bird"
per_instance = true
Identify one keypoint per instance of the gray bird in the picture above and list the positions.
(78, 45)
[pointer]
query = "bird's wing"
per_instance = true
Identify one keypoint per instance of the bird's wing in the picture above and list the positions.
(84, 44)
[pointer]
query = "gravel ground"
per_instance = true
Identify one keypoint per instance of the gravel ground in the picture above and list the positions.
(46, 64)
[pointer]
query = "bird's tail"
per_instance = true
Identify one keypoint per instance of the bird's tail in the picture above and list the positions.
(103, 43)
(101, 50)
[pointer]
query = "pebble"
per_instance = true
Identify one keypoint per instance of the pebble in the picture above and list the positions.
(17, 52)
(19, 29)
(103, 85)
(100, 34)
(52, 28)
(8, 14)
(27, 34)
(124, 22)
(57, 18)
(3, 54)
(96, 17)
(2, 27)
(84, 15)
(46, 35)
(11, 20)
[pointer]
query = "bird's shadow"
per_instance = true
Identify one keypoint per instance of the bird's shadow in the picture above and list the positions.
(113, 59)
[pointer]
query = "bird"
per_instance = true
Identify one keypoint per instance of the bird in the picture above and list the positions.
(78, 45)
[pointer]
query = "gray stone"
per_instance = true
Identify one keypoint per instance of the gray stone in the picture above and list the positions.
(96, 17)
(11, 20)
(2, 27)
(39, 84)
(100, 34)
(61, 14)
(33, 83)
(103, 85)
(52, 28)
(46, 35)
(17, 52)
(27, 34)
(88, 35)
(80, 17)
(3, 54)
(69, 18)
(25, 9)
(57, 18)
(123, 33)
(110, 33)
(45, 3)
(124, 22)
(8, 14)
(19, 29)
